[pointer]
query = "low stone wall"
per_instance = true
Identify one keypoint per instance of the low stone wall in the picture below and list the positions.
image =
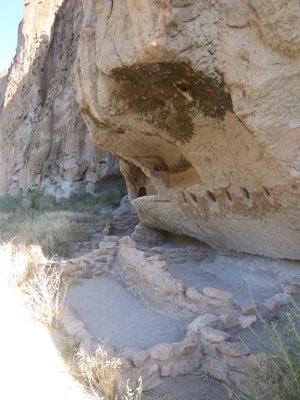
(211, 314)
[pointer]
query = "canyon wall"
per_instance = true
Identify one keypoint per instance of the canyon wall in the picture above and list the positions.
(44, 140)
(201, 102)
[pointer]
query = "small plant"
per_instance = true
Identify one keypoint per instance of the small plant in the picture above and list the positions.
(99, 371)
(133, 394)
(46, 295)
(46, 288)
(275, 373)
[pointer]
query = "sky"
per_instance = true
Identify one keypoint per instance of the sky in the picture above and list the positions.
(11, 14)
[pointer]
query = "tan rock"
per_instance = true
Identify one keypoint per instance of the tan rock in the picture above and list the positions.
(217, 294)
(211, 350)
(209, 148)
(75, 261)
(98, 272)
(247, 320)
(233, 349)
(213, 335)
(242, 382)
(193, 296)
(202, 321)
(45, 142)
(111, 238)
(137, 357)
(148, 371)
(216, 370)
(186, 349)
(271, 305)
(175, 369)
(248, 309)
(229, 321)
(162, 351)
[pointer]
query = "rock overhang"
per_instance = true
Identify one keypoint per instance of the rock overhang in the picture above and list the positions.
(194, 164)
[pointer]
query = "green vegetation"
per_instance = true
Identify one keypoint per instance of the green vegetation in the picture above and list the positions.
(36, 218)
(275, 372)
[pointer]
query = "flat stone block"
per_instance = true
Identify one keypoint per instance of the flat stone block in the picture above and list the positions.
(87, 274)
(235, 349)
(248, 309)
(213, 335)
(187, 349)
(271, 305)
(217, 294)
(162, 351)
(216, 370)
(193, 296)
(202, 321)
(247, 320)
(137, 357)
(229, 321)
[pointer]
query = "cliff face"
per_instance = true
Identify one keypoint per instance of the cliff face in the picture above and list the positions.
(44, 139)
(201, 102)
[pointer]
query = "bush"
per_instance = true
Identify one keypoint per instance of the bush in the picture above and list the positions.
(36, 218)
(99, 371)
(53, 231)
(275, 373)
(46, 295)
(24, 267)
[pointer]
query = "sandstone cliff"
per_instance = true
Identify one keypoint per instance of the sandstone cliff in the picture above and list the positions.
(44, 139)
(201, 102)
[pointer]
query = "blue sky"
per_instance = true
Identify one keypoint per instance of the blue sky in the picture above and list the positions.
(11, 14)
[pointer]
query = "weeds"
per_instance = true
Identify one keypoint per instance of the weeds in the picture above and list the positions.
(99, 371)
(53, 231)
(46, 295)
(52, 223)
(24, 267)
(134, 394)
(275, 373)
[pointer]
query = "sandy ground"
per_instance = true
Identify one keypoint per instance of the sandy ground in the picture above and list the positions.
(240, 274)
(115, 315)
(30, 367)
(190, 387)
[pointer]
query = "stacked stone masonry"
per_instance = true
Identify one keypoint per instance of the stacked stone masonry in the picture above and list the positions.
(211, 317)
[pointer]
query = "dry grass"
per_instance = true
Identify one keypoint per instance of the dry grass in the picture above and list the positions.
(54, 231)
(24, 267)
(46, 295)
(18, 262)
(99, 371)
(134, 394)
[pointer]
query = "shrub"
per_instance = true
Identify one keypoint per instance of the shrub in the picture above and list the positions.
(99, 371)
(275, 373)
(25, 268)
(46, 295)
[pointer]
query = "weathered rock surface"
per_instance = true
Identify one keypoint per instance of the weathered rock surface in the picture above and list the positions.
(200, 100)
(44, 139)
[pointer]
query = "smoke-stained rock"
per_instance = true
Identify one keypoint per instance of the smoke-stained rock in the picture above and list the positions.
(200, 100)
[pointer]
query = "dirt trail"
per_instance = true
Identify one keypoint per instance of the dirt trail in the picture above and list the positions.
(30, 366)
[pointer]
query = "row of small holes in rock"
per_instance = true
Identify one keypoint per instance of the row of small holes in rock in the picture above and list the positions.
(211, 197)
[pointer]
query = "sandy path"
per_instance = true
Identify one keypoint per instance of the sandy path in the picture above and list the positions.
(30, 366)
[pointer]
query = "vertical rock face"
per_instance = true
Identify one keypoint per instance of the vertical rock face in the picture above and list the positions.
(44, 139)
(201, 102)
